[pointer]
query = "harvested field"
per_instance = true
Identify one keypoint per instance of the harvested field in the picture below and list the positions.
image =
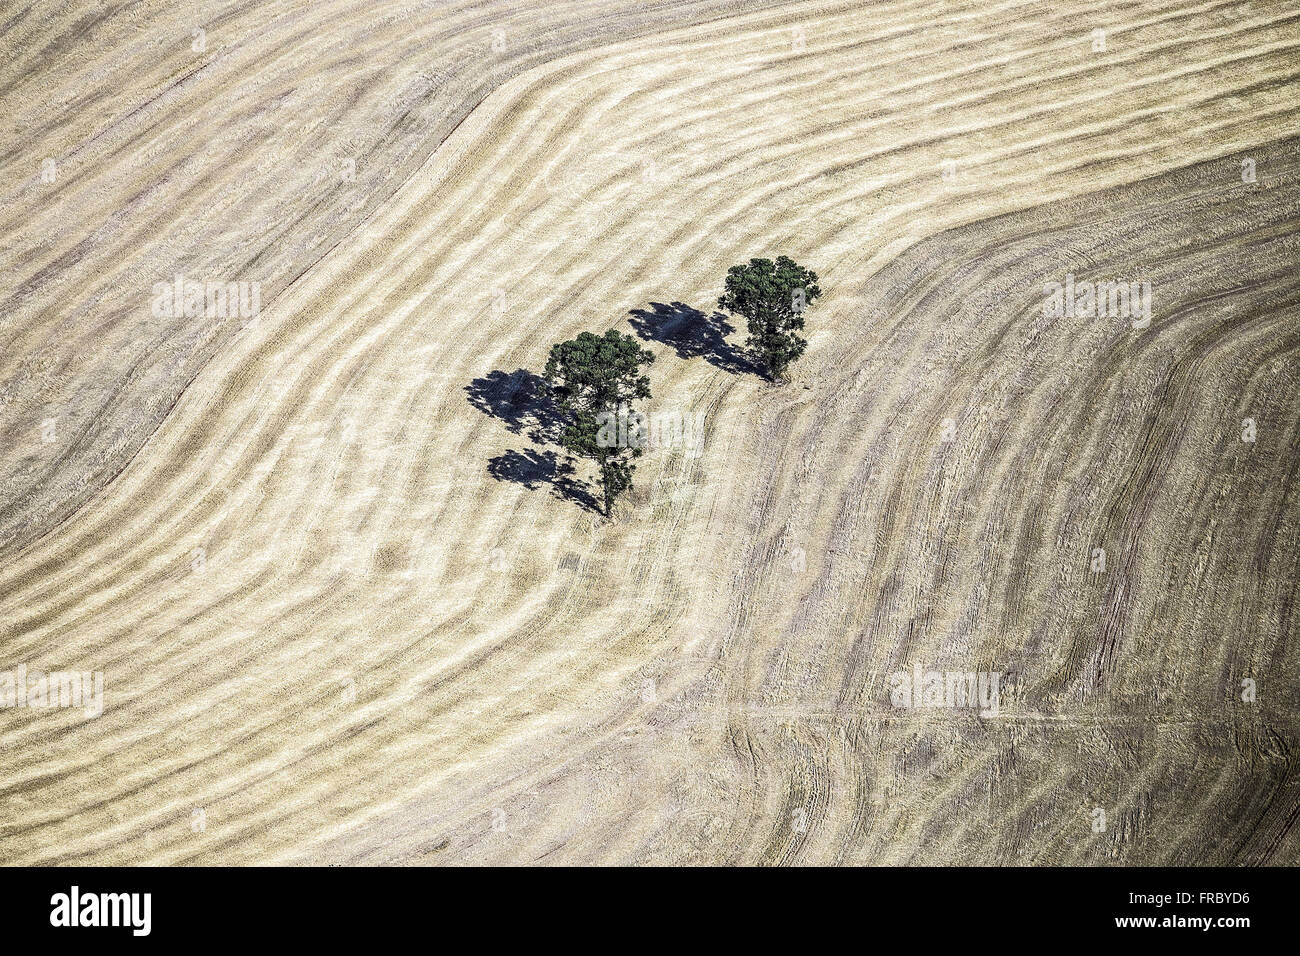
(350, 608)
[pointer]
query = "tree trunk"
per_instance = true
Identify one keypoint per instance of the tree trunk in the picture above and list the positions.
(604, 482)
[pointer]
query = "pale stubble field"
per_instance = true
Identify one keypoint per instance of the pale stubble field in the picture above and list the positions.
(346, 608)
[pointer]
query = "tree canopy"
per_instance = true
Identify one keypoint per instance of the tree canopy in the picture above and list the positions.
(772, 297)
(594, 380)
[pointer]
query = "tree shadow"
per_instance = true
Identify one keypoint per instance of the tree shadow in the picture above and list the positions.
(533, 469)
(692, 334)
(517, 399)
(530, 468)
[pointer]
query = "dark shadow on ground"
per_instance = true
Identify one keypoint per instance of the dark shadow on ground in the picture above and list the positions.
(516, 398)
(692, 334)
(533, 469)
(519, 401)
(530, 468)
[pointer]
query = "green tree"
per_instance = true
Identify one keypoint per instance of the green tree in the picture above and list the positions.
(772, 297)
(594, 380)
